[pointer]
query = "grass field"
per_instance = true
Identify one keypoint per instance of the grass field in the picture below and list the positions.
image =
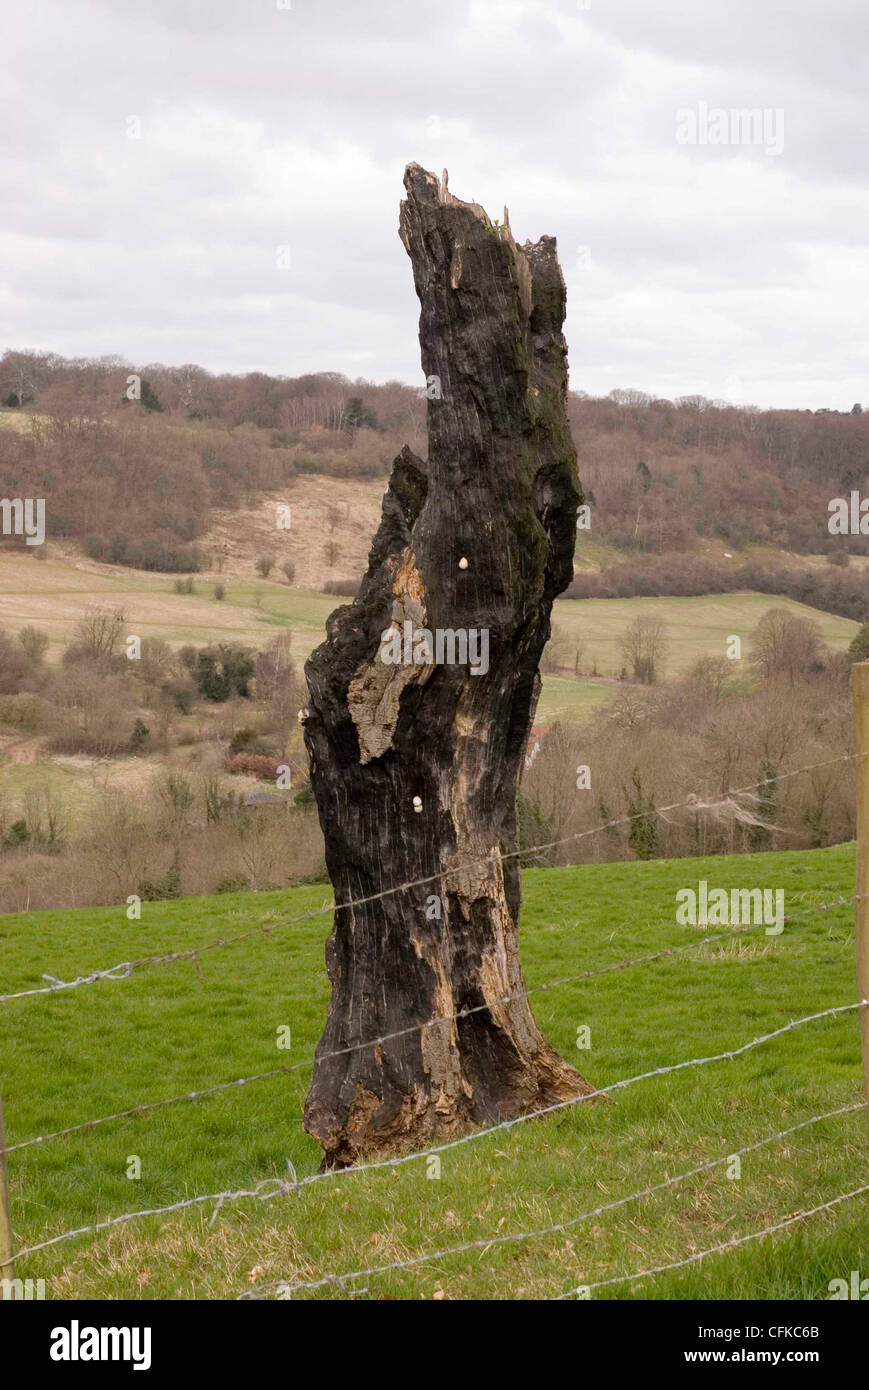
(72, 1056)
(563, 700)
(695, 627)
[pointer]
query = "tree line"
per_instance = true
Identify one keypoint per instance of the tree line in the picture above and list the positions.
(134, 479)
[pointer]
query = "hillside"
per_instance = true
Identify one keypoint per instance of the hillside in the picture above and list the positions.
(332, 523)
(661, 477)
(171, 1029)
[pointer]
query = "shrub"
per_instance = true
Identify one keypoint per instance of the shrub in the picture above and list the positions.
(859, 648)
(159, 552)
(138, 738)
(34, 643)
(535, 828)
(217, 802)
(14, 666)
(18, 834)
(640, 807)
(319, 874)
(264, 768)
(222, 671)
(181, 694)
(241, 739)
(157, 890)
(26, 712)
(248, 741)
(239, 884)
(92, 744)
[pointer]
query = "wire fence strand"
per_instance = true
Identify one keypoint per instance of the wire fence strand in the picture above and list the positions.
(585, 1289)
(624, 964)
(125, 969)
(270, 1188)
(284, 1289)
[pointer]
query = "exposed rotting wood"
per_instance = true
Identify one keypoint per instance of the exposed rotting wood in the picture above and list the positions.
(415, 766)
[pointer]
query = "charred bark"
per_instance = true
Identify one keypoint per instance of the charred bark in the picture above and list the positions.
(415, 764)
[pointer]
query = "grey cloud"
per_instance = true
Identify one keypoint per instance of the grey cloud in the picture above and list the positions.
(264, 127)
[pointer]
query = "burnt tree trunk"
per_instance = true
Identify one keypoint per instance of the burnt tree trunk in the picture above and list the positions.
(415, 763)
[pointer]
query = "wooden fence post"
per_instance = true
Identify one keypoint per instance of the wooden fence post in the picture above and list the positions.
(7, 1260)
(860, 695)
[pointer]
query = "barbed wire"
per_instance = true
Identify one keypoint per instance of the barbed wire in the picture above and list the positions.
(585, 1289)
(284, 1289)
(269, 1188)
(663, 954)
(126, 968)
(578, 1100)
(152, 1105)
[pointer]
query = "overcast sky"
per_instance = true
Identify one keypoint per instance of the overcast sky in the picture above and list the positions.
(158, 155)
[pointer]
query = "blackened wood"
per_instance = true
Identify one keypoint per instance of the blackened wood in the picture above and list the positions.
(498, 491)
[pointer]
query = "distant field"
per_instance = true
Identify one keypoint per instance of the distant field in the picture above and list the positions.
(78, 1055)
(53, 593)
(696, 627)
(568, 701)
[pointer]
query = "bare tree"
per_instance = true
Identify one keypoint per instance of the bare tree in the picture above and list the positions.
(97, 634)
(34, 642)
(275, 677)
(121, 831)
(644, 648)
(25, 372)
(326, 407)
(786, 645)
(14, 665)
